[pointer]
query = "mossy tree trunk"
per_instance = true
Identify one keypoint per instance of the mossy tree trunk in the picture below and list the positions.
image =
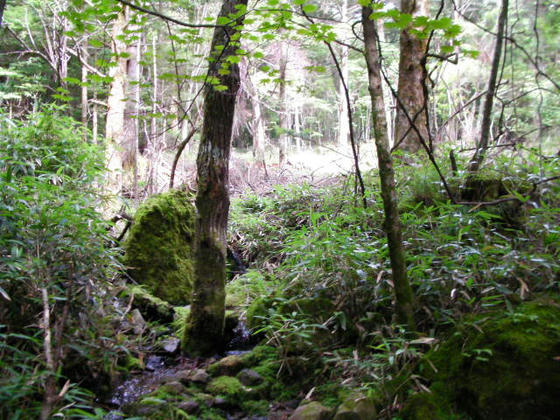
(392, 226)
(205, 327)
(411, 82)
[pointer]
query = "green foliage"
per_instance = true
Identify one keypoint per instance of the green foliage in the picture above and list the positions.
(53, 256)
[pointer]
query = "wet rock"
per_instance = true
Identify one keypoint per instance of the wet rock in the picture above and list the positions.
(174, 387)
(312, 411)
(189, 407)
(137, 321)
(356, 407)
(199, 376)
(221, 403)
(228, 366)
(171, 345)
(154, 363)
(249, 377)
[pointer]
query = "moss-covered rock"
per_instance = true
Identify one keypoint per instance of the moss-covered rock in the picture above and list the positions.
(356, 407)
(228, 387)
(505, 368)
(151, 307)
(228, 366)
(158, 251)
(312, 411)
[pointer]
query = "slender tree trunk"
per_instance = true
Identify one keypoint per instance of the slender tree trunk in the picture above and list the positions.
(257, 124)
(2, 7)
(482, 145)
(129, 154)
(205, 328)
(114, 131)
(411, 80)
(283, 139)
(392, 225)
(343, 129)
(84, 90)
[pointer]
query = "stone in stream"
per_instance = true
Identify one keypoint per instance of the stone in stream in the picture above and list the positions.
(171, 345)
(312, 411)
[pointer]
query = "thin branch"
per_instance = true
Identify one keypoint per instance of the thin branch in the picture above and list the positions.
(178, 155)
(168, 18)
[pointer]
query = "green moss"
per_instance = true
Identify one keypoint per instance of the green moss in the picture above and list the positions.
(158, 251)
(331, 394)
(505, 367)
(257, 313)
(427, 406)
(227, 387)
(151, 307)
(255, 408)
(260, 354)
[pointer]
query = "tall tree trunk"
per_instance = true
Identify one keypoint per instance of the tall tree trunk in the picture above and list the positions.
(482, 146)
(257, 125)
(392, 225)
(283, 139)
(84, 53)
(116, 102)
(129, 154)
(205, 327)
(411, 80)
(343, 129)
(2, 7)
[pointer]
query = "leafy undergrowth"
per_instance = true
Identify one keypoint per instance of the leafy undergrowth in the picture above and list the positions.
(319, 285)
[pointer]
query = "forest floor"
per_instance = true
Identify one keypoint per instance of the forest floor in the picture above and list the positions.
(318, 297)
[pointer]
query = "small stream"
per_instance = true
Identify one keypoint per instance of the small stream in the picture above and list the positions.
(160, 369)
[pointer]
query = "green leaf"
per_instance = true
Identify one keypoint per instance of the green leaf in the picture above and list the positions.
(309, 8)
(447, 49)
(96, 43)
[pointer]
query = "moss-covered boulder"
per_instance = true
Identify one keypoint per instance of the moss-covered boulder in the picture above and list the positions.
(312, 411)
(356, 407)
(230, 389)
(158, 251)
(227, 366)
(499, 366)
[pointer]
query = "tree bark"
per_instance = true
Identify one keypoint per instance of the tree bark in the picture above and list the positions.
(482, 145)
(343, 129)
(257, 125)
(205, 327)
(116, 102)
(283, 138)
(411, 80)
(84, 104)
(392, 225)
(2, 7)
